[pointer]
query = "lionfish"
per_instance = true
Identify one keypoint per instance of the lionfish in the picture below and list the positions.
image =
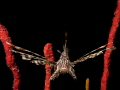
(63, 65)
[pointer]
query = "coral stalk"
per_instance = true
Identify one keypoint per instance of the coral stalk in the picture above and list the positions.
(115, 24)
(87, 84)
(4, 37)
(48, 53)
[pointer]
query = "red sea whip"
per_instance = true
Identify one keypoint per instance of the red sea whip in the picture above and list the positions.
(4, 37)
(115, 24)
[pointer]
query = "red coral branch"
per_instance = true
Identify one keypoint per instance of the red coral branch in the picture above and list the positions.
(4, 37)
(108, 52)
(48, 53)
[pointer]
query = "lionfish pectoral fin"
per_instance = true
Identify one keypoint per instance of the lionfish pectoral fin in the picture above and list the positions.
(54, 75)
(72, 73)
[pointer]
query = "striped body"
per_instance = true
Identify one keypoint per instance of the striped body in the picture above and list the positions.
(63, 65)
